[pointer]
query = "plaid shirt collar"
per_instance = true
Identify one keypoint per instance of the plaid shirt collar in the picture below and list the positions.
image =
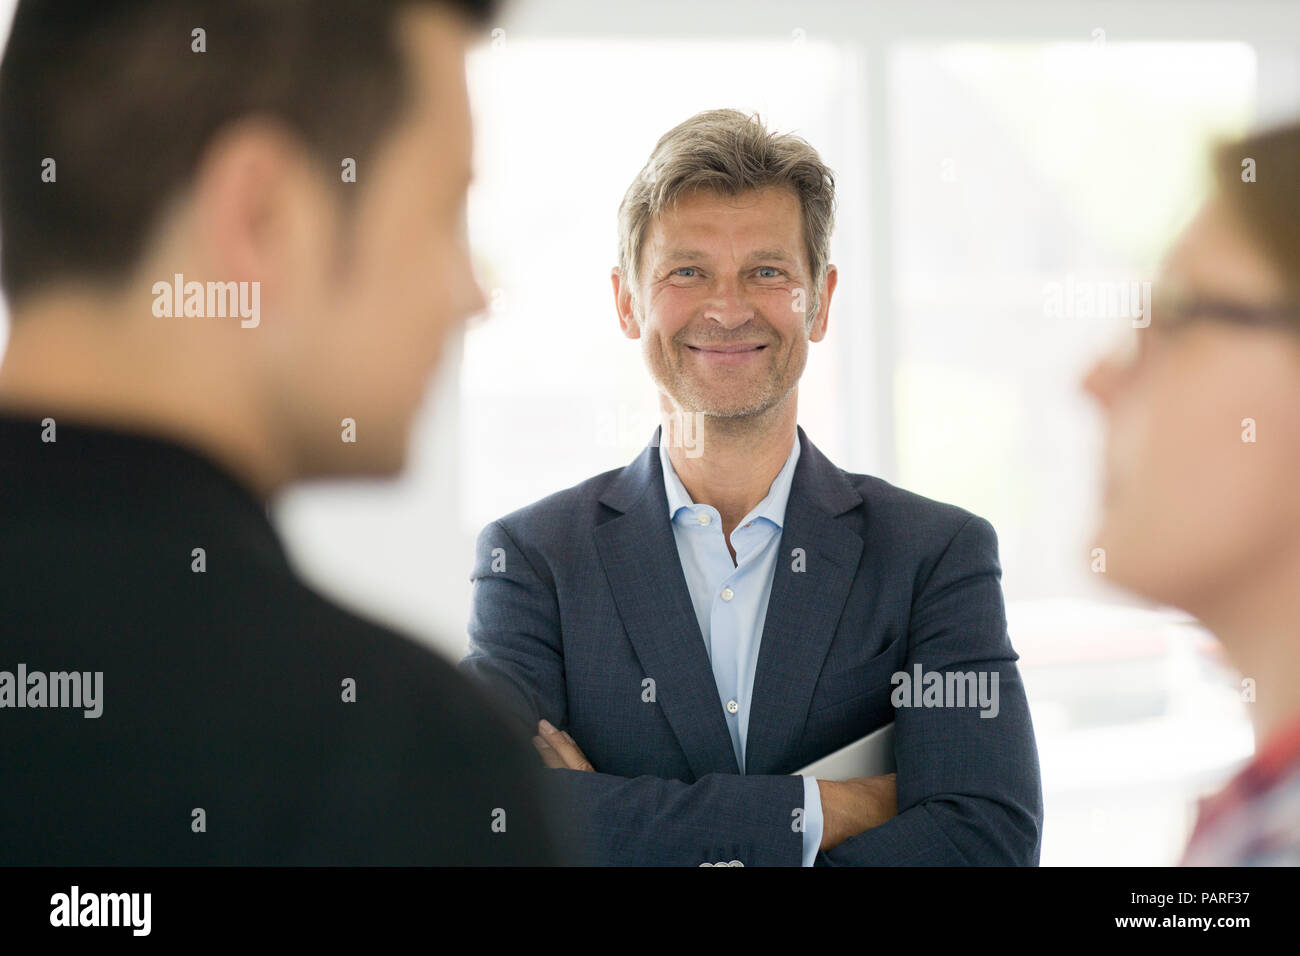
(1279, 755)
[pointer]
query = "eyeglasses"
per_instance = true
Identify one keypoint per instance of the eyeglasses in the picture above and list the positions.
(1177, 313)
(1169, 317)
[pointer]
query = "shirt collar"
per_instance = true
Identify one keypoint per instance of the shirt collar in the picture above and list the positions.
(771, 507)
(1276, 756)
(156, 479)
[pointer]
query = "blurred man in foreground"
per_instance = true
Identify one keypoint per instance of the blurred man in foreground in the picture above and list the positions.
(233, 248)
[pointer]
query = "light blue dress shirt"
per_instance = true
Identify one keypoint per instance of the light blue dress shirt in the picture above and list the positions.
(731, 602)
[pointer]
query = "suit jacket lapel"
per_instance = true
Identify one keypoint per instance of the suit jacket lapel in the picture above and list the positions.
(804, 608)
(639, 555)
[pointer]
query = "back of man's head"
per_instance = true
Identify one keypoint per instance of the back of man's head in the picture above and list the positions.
(275, 186)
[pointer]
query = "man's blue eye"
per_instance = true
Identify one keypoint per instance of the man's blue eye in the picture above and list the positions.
(775, 272)
(685, 269)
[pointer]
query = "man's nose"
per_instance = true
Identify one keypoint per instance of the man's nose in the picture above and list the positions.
(478, 303)
(728, 306)
(470, 303)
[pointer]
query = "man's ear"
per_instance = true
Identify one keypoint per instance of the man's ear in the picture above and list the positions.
(817, 331)
(623, 303)
(260, 208)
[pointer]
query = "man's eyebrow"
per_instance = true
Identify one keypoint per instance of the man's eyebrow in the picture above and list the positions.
(774, 255)
(675, 255)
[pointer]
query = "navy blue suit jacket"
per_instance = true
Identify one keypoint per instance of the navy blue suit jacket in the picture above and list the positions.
(580, 598)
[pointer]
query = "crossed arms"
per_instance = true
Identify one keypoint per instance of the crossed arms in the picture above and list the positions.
(968, 789)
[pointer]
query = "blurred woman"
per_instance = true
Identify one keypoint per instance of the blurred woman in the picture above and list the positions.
(1202, 477)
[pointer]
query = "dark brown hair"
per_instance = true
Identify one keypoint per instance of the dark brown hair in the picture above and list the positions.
(114, 94)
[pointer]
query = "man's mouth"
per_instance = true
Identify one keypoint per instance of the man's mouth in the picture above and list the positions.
(730, 354)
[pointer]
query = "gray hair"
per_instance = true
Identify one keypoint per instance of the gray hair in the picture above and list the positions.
(728, 152)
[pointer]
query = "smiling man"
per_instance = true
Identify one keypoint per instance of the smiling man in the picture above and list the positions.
(684, 633)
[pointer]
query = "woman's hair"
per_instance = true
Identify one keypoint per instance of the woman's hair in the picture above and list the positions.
(1258, 178)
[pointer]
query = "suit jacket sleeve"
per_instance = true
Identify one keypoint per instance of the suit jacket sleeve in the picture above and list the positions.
(516, 650)
(969, 791)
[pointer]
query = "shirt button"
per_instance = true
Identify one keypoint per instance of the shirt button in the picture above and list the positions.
(728, 594)
(732, 707)
(703, 519)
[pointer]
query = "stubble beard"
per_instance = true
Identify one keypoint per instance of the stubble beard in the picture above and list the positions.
(726, 413)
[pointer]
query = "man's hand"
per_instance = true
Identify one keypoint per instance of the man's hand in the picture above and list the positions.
(851, 806)
(559, 751)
